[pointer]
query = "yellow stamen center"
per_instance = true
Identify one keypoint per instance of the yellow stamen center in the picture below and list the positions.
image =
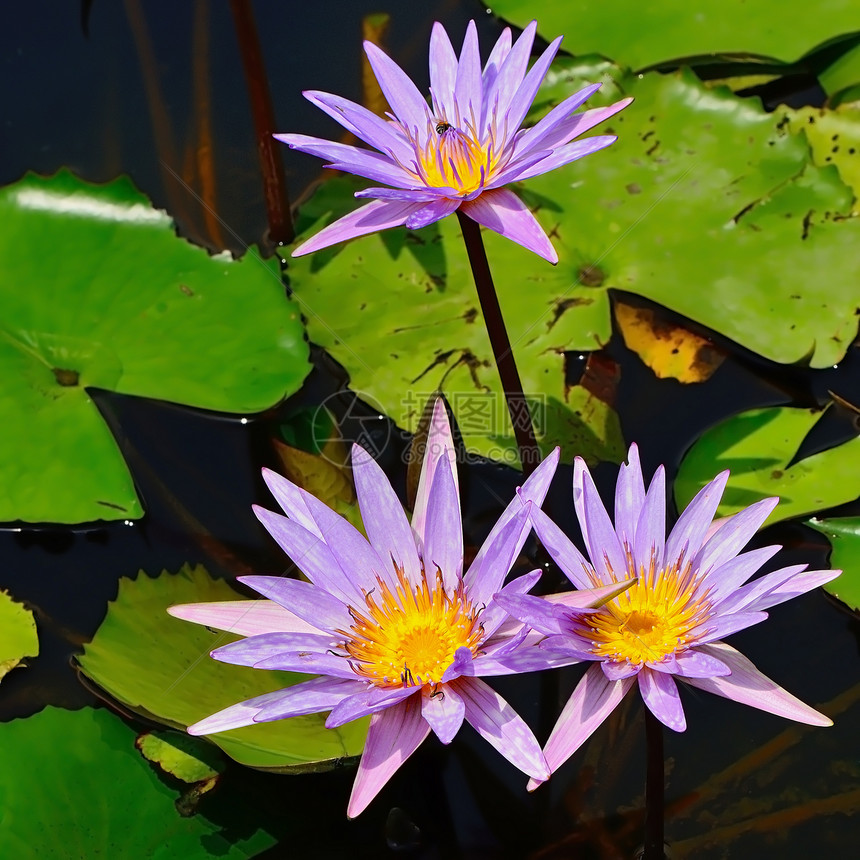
(409, 637)
(455, 156)
(652, 619)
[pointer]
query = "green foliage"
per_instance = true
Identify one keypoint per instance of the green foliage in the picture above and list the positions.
(844, 536)
(159, 667)
(712, 207)
(18, 637)
(98, 291)
(187, 758)
(646, 34)
(399, 310)
(757, 447)
(72, 786)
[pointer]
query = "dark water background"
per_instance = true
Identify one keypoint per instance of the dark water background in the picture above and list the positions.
(81, 101)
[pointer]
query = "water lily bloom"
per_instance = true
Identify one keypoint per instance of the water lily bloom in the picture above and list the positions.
(459, 151)
(391, 624)
(668, 626)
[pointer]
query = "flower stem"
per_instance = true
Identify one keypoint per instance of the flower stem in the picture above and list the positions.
(654, 782)
(274, 182)
(518, 408)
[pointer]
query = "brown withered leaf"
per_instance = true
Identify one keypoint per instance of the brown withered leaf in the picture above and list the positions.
(670, 350)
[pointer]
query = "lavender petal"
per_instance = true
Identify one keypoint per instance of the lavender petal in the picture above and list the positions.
(439, 449)
(443, 546)
(402, 95)
(443, 72)
(311, 555)
(368, 701)
(629, 497)
(660, 693)
(500, 725)
(309, 697)
(502, 211)
(361, 162)
(244, 617)
(444, 710)
(383, 516)
(378, 215)
(312, 604)
(572, 563)
(594, 698)
(393, 736)
(734, 535)
(689, 532)
(568, 153)
(528, 89)
(432, 212)
(468, 87)
(750, 687)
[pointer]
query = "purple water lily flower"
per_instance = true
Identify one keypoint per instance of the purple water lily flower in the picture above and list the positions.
(391, 624)
(460, 152)
(690, 593)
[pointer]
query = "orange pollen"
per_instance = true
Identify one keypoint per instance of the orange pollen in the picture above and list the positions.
(652, 619)
(408, 637)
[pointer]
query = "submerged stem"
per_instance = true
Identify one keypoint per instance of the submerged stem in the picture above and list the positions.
(274, 183)
(654, 782)
(518, 408)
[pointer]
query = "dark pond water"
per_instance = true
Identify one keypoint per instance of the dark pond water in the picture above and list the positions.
(131, 97)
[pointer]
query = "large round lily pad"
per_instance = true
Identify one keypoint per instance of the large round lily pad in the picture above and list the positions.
(18, 638)
(646, 34)
(73, 786)
(759, 447)
(712, 207)
(844, 536)
(98, 291)
(159, 666)
(400, 311)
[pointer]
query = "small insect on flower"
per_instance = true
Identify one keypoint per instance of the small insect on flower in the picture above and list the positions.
(460, 150)
(669, 625)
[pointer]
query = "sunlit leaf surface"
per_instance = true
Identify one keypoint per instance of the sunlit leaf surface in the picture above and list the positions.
(710, 206)
(758, 447)
(399, 310)
(844, 536)
(159, 666)
(98, 291)
(73, 786)
(184, 756)
(18, 637)
(644, 34)
(834, 136)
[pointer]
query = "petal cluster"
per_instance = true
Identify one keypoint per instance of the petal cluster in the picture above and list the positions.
(459, 151)
(692, 588)
(391, 624)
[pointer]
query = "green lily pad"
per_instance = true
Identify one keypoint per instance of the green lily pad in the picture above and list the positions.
(712, 207)
(18, 638)
(842, 74)
(159, 667)
(834, 135)
(844, 536)
(646, 34)
(98, 291)
(757, 446)
(400, 311)
(72, 786)
(187, 758)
